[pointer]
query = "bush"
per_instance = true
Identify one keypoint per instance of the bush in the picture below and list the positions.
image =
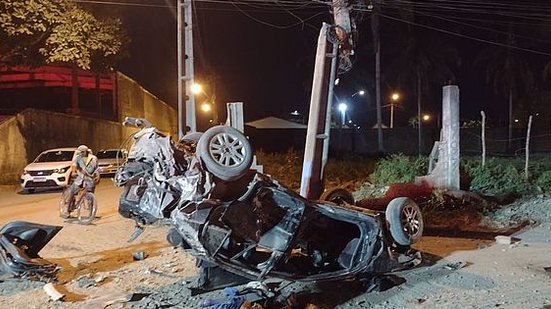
(544, 181)
(499, 176)
(398, 168)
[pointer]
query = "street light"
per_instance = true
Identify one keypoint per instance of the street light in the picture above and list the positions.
(196, 88)
(360, 92)
(342, 108)
(206, 107)
(210, 105)
(393, 98)
(426, 117)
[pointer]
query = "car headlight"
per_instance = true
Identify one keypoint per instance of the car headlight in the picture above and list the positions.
(61, 170)
(25, 172)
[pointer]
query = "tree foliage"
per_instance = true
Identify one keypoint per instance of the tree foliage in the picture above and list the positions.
(36, 32)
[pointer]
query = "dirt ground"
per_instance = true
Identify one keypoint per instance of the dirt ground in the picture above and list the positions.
(98, 271)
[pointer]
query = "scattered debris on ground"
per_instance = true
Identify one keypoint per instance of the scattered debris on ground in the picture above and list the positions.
(138, 256)
(52, 292)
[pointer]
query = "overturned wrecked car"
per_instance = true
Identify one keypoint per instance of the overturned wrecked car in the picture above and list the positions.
(248, 224)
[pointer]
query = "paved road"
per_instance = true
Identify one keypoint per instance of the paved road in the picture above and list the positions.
(43, 207)
(109, 231)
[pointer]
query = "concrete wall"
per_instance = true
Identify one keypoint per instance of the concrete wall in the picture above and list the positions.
(135, 101)
(32, 131)
(43, 130)
(12, 151)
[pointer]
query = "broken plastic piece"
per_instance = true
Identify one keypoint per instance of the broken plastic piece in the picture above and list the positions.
(506, 240)
(138, 256)
(52, 292)
(137, 232)
(455, 266)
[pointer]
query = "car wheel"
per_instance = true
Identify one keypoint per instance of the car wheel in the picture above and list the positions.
(225, 152)
(404, 220)
(338, 196)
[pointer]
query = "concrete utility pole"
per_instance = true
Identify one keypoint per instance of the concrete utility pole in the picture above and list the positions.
(317, 135)
(375, 27)
(186, 115)
(319, 122)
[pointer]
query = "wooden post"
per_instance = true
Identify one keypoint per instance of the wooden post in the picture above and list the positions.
(527, 147)
(483, 137)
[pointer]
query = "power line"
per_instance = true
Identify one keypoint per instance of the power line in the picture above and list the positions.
(126, 3)
(466, 36)
(462, 6)
(263, 6)
(477, 26)
(274, 25)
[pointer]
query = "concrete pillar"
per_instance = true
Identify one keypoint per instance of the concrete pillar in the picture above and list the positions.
(446, 173)
(450, 131)
(235, 116)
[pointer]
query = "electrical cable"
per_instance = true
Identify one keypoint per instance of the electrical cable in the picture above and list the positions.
(478, 27)
(466, 36)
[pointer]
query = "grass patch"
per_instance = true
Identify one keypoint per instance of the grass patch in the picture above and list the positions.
(348, 172)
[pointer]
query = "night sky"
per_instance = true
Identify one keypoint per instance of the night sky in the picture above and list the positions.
(240, 58)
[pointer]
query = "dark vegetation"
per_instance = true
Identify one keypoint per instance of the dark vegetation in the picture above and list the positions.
(376, 182)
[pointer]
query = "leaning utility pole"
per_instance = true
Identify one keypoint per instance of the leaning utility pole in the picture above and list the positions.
(316, 147)
(185, 30)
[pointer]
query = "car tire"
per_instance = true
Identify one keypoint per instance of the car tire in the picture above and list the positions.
(338, 196)
(225, 152)
(404, 220)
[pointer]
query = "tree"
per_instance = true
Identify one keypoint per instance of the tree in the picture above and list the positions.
(36, 32)
(422, 63)
(509, 73)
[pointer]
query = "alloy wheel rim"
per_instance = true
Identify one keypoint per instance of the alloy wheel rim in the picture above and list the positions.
(411, 220)
(227, 150)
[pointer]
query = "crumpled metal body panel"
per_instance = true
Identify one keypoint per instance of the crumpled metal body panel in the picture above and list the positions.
(20, 243)
(263, 230)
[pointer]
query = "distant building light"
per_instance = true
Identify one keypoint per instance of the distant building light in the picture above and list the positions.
(295, 113)
(516, 120)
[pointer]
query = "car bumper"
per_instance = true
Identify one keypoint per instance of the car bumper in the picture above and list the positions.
(107, 170)
(52, 181)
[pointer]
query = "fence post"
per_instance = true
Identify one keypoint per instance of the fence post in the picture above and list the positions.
(483, 137)
(527, 147)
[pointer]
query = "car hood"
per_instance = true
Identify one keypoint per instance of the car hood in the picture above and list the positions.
(47, 165)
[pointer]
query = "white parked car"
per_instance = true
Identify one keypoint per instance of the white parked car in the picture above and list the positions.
(50, 170)
(109, 160)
